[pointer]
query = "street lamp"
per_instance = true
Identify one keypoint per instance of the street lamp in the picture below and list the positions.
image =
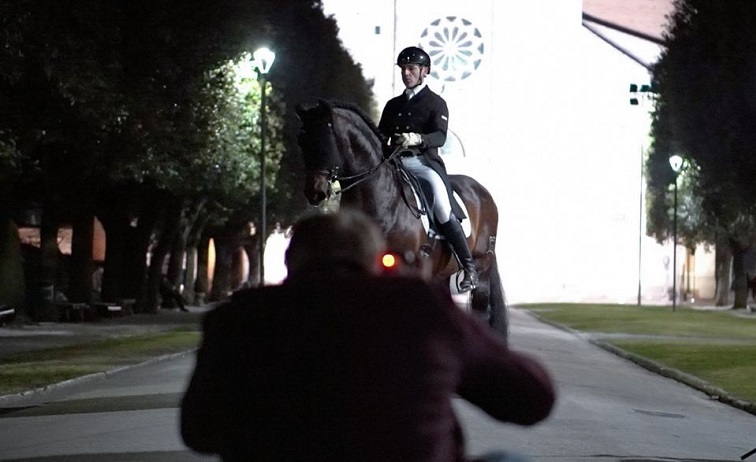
(263, 61)
(640, 96)
(676, 162)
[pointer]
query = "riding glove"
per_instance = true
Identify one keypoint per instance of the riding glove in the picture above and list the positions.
(409, 139)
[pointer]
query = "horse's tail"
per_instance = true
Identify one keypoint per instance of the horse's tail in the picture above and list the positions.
(498, 316)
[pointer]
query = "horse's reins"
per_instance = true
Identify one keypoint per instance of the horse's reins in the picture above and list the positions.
(360, 177)
(333, 176)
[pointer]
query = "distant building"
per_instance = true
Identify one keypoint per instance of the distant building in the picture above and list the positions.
(540, 113)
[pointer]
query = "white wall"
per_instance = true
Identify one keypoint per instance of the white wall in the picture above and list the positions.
(546, 125)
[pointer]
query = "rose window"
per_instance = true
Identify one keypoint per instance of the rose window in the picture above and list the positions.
(455, 47)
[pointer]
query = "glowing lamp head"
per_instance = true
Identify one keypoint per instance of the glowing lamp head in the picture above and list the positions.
(264, 60)
(677, 163)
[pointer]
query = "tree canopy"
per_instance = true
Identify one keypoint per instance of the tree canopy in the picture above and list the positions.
(136, 91)
(113, 107)
(705, 111)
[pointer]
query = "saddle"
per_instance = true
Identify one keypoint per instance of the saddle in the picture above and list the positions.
(423, 198)
(423, 203)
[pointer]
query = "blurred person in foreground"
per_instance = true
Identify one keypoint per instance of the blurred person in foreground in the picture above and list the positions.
(340, 363)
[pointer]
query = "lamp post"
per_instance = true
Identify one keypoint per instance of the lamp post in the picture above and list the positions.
(640, 96)
(263, 60)
(676, 162)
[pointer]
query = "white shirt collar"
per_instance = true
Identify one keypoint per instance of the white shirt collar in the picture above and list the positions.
(410, 92)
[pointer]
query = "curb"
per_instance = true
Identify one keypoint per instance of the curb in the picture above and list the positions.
(5, 399)
(715, 393)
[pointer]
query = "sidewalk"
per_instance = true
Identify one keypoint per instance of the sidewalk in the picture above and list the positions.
(602, 341)
(32, 337)
(610, 411)
(16, 339)
(708, 304)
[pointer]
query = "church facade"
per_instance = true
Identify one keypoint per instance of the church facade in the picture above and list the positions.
(540, 114)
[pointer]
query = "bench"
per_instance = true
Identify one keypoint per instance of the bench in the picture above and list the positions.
(6, 315)
(73, 312)
(108, 310)
(128, 305)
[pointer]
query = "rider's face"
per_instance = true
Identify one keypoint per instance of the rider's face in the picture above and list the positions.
(413, 74)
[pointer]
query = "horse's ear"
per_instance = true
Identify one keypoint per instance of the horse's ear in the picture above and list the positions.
(300, 110)
(305, 110)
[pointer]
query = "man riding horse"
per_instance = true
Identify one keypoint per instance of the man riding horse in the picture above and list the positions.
(416, 122)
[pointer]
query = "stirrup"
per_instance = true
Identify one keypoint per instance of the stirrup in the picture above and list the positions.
(469, 282)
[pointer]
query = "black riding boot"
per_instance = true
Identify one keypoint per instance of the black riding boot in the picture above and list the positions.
(452, 230)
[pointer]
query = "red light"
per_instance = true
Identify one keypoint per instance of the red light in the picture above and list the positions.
(388, 260)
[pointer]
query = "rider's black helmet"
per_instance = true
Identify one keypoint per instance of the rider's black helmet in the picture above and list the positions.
(413, 55)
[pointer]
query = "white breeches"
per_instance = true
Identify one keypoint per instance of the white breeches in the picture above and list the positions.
(441, 206)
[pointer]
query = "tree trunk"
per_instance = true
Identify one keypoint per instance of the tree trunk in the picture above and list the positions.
(178, 266)
(175, 271)
(115, 247)
(165, 241)
(723, 258)
(252, 248)
(202, 284)
(116, 207)
(193, 237)
(739, 282)
(50, 257)
(238, 275)
(12, 269)
(190, 277)
(138, 241)
(224, 255)
(228, 241)
(12, 282)
(82, 266)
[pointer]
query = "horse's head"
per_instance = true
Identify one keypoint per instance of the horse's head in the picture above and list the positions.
(317, 141)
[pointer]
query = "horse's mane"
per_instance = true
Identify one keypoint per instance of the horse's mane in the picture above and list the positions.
(365, 118)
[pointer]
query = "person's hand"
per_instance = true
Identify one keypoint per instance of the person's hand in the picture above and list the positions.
(406, 140)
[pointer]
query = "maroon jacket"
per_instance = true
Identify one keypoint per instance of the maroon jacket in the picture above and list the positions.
(362, 371)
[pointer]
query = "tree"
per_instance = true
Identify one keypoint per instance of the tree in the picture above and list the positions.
(115, 109)
(11, 261)
(307, 44)
(55, 104)
(705, 112)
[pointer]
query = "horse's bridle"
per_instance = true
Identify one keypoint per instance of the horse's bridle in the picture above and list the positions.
(332, 174)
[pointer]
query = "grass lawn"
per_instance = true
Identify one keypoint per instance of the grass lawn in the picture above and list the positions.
(716, 346)
(25, 371)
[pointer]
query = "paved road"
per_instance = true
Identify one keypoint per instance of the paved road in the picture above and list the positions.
(609, 410)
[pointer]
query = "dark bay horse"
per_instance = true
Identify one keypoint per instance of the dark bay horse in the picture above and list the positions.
(340, 143)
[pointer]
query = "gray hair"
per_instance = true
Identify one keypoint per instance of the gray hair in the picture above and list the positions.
(347, 237)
